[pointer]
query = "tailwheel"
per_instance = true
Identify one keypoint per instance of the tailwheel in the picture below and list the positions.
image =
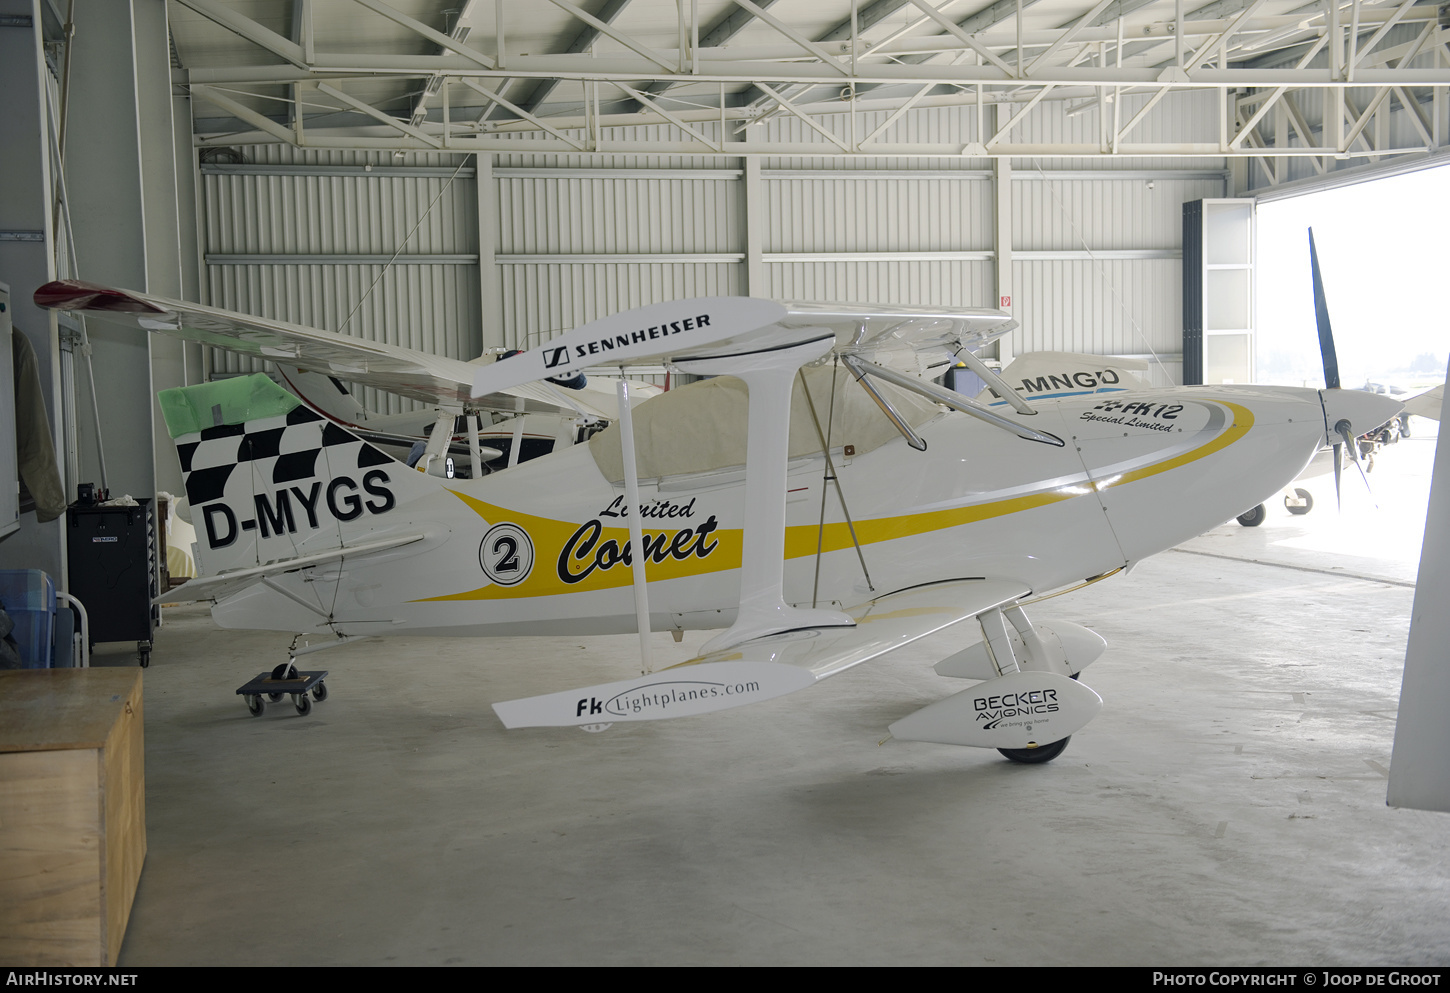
(284, 671)
(1038, 755)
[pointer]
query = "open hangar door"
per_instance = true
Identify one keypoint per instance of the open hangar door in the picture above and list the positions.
(1381, 249)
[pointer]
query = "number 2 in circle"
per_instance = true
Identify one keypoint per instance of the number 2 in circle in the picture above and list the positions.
(506, 554)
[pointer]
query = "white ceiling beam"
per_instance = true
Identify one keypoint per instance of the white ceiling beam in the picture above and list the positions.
(1068, 35)
(953, 29)
(245, 113)
(1258, 115)
(1142, 112)
(249, 29)
(1276, 94)
(791, 108)
(446, 42)
(1417, 116)
(1003, 131)
(373, 112)
(390, 140)
(805, 43)
(635, 71)
(1306, 133)
(1374, 40)
(478, 87)
(618, 36)
(718, 146)
(1357, 131)
(1208, 47)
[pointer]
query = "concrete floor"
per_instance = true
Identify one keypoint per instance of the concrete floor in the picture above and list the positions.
(1227, 807)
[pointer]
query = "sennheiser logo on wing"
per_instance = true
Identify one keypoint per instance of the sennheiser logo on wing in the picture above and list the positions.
(555, 357)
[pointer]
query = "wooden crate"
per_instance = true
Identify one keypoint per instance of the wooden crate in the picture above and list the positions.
(72, 813)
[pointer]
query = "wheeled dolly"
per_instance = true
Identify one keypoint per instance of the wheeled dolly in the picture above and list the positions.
(283, 681)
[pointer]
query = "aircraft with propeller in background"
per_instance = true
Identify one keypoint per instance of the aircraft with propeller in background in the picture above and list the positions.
(816, 497)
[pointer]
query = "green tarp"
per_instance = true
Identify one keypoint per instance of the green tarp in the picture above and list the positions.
(189, 409)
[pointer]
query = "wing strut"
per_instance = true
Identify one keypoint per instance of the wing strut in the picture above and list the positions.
(636, 528)
(996, 382)
(830, 477)
(768, 369)
(862, 369)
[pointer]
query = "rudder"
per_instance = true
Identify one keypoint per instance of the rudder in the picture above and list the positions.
(269, 479)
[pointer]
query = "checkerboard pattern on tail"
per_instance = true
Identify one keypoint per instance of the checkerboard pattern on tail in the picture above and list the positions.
(268, 479)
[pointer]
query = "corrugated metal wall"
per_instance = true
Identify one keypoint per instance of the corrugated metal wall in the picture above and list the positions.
(578, 237)
(312, 247)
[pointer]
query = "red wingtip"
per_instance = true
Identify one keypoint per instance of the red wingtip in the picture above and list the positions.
(73, 294)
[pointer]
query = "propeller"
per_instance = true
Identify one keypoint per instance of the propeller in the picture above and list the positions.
(1321, 318)
(1331, 368)
(1342, 427)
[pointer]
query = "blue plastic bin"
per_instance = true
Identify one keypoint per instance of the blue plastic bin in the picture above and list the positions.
(28, 596)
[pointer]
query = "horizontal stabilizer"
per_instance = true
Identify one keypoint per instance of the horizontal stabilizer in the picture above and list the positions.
(223, 585)
(768, 667)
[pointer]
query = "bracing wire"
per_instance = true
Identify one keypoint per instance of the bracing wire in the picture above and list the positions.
(384, 271)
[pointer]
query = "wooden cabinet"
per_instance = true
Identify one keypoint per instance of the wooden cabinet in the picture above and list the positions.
(72, 813)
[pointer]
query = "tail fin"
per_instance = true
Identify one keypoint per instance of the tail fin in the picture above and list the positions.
(326, 395)
(269, 479)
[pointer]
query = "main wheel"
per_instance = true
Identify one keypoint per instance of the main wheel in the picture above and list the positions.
(1038, 755)
(1304, 495)
(255, 705)
(1253, 518)
(285, 671)
(304, 704)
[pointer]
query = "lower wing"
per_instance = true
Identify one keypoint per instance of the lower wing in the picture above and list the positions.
(767, 667)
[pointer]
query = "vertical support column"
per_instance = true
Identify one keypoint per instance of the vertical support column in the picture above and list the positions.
(489, 288)
(1002, 178)
(755, 281)
(110, 137)
(25, 265)
(161, 212)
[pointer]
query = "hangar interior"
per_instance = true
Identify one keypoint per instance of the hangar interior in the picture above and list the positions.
(465, 176)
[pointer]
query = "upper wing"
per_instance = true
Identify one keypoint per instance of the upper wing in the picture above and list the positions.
(767, 667)
(432, 379)
(912, 339)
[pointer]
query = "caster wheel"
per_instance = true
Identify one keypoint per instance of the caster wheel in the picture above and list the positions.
(1304, 495)
(304, 704)
(275, 697)
(145, 660)
(1038, 755)
(255, 705)
(1253, 518)
(319, 692)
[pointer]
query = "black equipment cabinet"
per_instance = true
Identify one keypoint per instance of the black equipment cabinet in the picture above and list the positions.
(113, 571)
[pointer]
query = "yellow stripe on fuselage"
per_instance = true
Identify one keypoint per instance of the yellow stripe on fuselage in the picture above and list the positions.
(550, 536)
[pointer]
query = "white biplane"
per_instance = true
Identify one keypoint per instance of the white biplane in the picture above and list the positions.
(820, 500)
